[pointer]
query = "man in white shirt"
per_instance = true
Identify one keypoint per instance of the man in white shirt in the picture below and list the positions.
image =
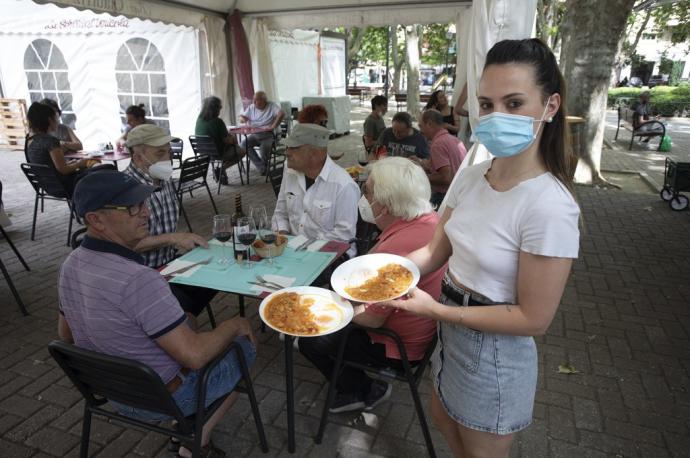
(264, 114)
(317, 198)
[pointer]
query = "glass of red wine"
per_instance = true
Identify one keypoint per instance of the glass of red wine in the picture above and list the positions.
(263, 226)
(222, 231)
(363, 157)
(246, 235)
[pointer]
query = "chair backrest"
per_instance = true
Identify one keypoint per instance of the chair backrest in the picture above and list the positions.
(176, 147)
(97, 376)
(203, 145)
(77, 237)
(194, 168)
(44, 178)
(275, 175)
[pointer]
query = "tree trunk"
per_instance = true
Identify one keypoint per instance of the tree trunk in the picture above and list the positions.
(413, 62)
(354, 43)
(591, 32)
(397, 60)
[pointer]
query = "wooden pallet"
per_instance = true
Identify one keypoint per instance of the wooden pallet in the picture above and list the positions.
(13, 127)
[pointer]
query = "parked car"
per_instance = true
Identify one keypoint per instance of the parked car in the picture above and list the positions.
(658, 80)
(635, 81)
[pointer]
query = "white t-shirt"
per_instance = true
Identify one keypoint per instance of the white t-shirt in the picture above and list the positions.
(488, 229)
(261, 118)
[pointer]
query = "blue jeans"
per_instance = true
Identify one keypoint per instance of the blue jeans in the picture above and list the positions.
(221, 381)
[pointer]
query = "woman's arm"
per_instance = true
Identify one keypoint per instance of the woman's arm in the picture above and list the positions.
(461, 102)
(74, 143)
(58, 157)
(432, 256)
(541, 282)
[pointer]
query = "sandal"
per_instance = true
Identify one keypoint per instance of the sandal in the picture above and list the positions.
(208, 451)
(174, 445)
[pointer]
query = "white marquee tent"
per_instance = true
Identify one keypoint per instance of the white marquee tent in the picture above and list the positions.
(480, 23)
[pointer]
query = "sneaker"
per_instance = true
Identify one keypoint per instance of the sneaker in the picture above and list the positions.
(346, 402)
(379, 392)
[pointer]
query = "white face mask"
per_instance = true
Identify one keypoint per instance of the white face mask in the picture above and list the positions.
(161, 170)
(366, 211)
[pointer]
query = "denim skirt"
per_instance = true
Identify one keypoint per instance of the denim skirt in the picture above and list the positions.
(485, 381)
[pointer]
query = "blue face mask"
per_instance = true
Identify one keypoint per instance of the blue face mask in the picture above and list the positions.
(506, 135)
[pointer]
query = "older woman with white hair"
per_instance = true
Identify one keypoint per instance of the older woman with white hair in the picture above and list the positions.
(396, 199)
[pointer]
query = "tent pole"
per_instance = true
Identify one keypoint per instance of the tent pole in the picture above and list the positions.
(388, 59)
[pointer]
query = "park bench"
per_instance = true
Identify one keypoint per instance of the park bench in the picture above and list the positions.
(401, 99)
(360, 92)
(646, 129)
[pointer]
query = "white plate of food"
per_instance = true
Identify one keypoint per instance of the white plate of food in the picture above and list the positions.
(375, 277)
(305, 311)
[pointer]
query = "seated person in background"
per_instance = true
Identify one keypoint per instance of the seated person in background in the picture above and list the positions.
(265, 114)
(110, 302)
(209, 123)
(68, 139)
(136, 116)
(641, 109)
(43, 148)
(401, 139)
(374, 125)
(150, 149)
(317, 198)
(313, 114)
(439, 101)
(447, 153)
(396, 199)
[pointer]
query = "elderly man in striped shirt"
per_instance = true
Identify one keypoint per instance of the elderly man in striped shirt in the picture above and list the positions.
(111, 302)
(150, 148)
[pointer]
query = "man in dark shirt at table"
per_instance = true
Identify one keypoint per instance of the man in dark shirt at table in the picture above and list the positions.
(110, 302)
(150, 148)
(374, 125)
(401, 139)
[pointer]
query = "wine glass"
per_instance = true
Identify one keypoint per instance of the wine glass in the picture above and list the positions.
(246, 234)
(222, 231)
(362, 157)
(263, 225)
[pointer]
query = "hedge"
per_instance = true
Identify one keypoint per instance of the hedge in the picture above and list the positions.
(665, 101)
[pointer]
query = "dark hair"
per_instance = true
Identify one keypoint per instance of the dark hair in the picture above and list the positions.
(210, 108)
(433, 100)
(137, 111)
(311, 113)
(377, 101)
(433, 115)
(52, 104)
(554, 145)
(403, 117)
(39, 116)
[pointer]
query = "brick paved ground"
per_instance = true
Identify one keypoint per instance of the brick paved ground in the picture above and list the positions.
(624, 324)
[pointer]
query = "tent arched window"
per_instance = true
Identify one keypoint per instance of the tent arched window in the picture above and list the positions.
(140, 73)
(46, 75)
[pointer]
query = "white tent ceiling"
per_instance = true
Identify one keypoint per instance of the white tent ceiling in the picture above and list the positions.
(284, 13)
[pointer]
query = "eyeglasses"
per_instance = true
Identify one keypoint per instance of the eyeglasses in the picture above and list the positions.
(133, 210)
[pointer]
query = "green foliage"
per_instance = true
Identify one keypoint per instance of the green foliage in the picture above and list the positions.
(665, 100)
(665, 65)
(435, 44)
(677, 11)
(676, 72)
(374, 43)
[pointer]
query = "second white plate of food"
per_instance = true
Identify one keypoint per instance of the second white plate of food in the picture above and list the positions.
(305, 311)
(375, 277)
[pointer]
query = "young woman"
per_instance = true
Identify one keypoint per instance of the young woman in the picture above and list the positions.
(68, 139)
(439, 101)
(43, 148)
(509, 234)
(135, 115)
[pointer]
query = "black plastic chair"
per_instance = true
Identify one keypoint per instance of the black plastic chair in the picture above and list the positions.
(204, 145)
(276, 167)
(193, 174)
(6, 274)
(176, 147)
(100, 378)
(406, 374)
(46, 184)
